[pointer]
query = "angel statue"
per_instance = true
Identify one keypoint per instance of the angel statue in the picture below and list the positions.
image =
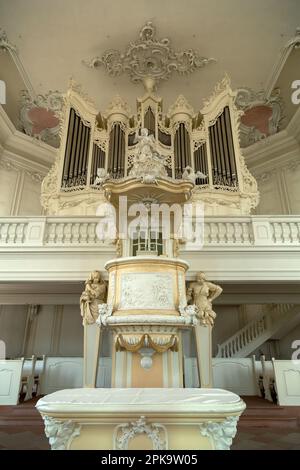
(146, 144)
(189, 174)
(202, 293)
(94, 294)
(101, 177)
(148, 163)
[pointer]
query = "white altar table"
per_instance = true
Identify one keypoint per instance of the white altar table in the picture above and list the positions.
(140, 418)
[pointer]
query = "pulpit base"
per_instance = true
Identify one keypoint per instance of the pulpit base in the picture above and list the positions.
(139, 418)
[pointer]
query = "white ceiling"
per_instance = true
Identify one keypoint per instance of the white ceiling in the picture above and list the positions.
(53, 36)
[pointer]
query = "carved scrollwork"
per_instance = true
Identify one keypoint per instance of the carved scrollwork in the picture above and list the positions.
(124, 433)
(221, 433)
(60, 433)
(149, 59)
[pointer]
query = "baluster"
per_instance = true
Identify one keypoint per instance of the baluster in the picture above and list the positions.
(67, 233)
(294, 233)
(12, 233)
(20, 233)
(238, 232)
(75, 233)
(230, 233)
(246, 232)
(222, 233)
(4, 233)
(83, 233)
(92, 233)
(277, 232)
(50, 238)
(214, 232)
(286, 232)
(60, 233)
(207, 239)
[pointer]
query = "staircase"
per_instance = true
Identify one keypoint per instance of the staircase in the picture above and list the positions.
(256, 332)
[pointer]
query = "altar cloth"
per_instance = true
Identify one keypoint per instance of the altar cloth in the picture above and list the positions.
(166, 400)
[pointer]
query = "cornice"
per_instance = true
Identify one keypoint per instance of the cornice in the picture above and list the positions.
(22, 148)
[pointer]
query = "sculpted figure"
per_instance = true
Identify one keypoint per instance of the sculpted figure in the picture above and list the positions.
(93, 295)
(202, 293)
(189, 174)
(148, 163)
(101, 177)
(146, 144)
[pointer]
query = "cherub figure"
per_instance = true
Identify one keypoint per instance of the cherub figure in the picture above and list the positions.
(101, 177)
(94, 294)
(146, 145)
(189, 174)
(202, 293)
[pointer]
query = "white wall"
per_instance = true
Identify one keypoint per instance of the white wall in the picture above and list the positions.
(285, 343)
(19, 192)
(279, 191)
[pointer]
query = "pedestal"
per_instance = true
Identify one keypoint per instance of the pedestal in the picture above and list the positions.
(141, 418)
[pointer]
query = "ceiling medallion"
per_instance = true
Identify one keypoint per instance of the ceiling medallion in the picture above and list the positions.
(149, 59)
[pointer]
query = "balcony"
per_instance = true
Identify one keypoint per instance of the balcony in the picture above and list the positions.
(254, 248)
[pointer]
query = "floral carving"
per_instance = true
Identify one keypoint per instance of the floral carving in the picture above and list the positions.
(126, 432)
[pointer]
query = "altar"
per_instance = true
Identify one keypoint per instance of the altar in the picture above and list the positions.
(141, 418)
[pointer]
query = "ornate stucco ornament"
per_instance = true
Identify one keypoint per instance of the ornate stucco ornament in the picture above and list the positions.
(149, 59)
(5, 44)
(39, 116)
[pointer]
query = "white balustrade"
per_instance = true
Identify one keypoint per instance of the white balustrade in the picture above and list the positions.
(256, 332)
(218, 231)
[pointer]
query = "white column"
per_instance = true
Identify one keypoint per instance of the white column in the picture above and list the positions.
(92, 336)
(204, 354)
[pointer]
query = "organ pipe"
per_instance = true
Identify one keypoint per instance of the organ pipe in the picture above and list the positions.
(182, 150)
(149, 121)
(116, 153)
(222, 151)
(200, 163)
(77, 143)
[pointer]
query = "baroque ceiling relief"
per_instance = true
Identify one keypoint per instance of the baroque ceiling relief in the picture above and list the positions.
(149, 60)
(39, 114)
(261, 117)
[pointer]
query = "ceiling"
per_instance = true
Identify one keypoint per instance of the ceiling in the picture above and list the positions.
(54, 36)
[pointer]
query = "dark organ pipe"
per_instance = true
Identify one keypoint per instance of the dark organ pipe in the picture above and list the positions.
(182, 150)
(77, 153)
(222, 150)
(230, 147)
(164, 138)
(75, 164)
(149, 121)
(68, 148)
(116, 154)
(200, 163)
(98, 161)
(73, 150)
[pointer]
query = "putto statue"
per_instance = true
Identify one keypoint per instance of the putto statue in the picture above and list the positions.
(148, 163)
(202, 293)
(101, 177)
(189, 174)
(94, 294)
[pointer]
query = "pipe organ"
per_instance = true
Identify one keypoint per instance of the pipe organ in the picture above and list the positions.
(206, 143)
